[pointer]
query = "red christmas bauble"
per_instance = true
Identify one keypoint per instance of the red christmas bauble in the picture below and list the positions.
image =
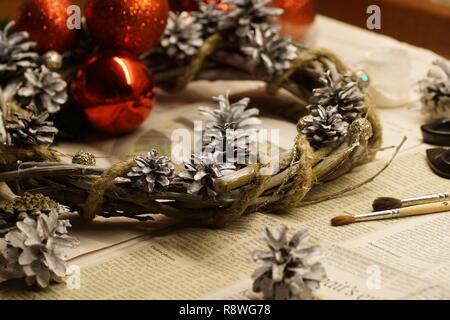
(46, 22)
(133, 25)
(115, 90)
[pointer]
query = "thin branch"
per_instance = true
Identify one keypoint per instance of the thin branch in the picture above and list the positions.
(48, 171)
(352, 188)
(126, 215)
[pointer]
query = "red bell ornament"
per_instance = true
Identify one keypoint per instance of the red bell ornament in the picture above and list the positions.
(46, 22)
(133, 25)
(116, 91)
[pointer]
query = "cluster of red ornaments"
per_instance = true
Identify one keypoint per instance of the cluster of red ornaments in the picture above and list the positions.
(114, 88)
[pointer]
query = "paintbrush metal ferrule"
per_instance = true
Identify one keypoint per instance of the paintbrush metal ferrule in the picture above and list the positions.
(378, 215)
(442, 196)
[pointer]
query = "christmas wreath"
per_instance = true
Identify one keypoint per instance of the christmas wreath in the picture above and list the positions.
(338, 127)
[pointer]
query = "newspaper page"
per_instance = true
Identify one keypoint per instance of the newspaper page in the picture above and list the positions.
(392, 259)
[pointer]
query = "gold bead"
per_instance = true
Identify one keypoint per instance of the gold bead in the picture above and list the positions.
(84, 158)
(363, 127)
(52, 60)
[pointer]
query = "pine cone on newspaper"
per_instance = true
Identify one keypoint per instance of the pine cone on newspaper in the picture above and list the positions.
(153, 173)
(246, 14)
(36, 250)
(436, 91)
(15, 54)
(324, 126)
(200, 173)
(182, 37)
(43, 88)
(343, 92)
(266, 48)
(31, 130)
(290, 271)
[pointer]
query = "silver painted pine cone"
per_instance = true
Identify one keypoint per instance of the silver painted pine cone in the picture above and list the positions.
(231, 115)
(36, 251)
(182, 37)
(246, 14)
(31, 130)
(231, 131)
(266, 48)
(232, 146)
(326, 125)
(153, 173)
(15, 54)
(343, 92)
(44, 88)
(200, 173)
(290, 271)
(435, 91)
(208, 16)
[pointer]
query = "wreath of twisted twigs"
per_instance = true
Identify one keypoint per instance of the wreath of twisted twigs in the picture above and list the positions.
(211, 45)
(95, 190)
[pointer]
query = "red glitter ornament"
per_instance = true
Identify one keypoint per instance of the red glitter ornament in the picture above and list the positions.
(297, 18)
(46, 22)
(133, 25)
(115, 90)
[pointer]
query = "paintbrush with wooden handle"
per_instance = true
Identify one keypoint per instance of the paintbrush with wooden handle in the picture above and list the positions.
(387, 203)
(393, 213)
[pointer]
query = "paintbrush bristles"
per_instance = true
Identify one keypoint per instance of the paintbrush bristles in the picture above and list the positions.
(386, 203)
(342, 220)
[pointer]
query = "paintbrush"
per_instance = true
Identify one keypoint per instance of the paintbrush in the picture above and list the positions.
(393, 213)
(387, 203)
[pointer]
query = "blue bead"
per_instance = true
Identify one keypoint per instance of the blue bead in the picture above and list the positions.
(365, 78)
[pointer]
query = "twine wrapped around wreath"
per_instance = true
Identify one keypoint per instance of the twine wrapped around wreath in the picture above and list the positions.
(96, 191)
